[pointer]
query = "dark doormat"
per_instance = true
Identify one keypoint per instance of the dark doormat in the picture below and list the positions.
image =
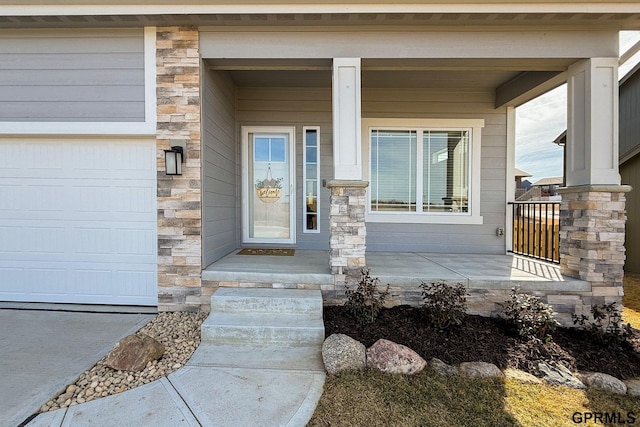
(260, 251)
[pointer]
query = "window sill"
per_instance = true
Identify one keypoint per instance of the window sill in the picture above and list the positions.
(424, 218)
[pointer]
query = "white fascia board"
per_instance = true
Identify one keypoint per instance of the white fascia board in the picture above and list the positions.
(137, 9)
(146, 128)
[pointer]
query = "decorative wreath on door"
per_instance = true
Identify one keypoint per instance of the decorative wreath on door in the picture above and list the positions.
(269, 190)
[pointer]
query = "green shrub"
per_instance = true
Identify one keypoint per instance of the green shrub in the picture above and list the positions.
(444, 305)
(532, 318)
(366, 301)
(607, 326)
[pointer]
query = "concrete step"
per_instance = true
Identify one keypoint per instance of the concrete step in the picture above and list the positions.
(305, 358)
(262, 329)
(267, 300)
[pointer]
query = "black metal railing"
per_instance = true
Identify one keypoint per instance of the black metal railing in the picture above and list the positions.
(536, 230)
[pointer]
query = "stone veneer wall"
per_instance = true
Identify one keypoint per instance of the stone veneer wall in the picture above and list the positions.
(566, 297)
(348, 232)
(592, 232)
(179, 197)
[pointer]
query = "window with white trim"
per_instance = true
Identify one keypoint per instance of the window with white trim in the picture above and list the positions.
(426, 171)
(311, 178)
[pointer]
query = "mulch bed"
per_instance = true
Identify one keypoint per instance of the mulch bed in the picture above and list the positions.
(488, 340)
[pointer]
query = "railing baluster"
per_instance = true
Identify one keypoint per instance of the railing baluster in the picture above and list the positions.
(529, 238)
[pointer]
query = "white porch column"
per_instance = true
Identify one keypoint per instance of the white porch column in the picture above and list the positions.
(348, 192)
(592, 213)
(592, 123)
(347, 152)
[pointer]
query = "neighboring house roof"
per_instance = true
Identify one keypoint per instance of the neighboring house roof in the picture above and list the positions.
(561, 139)
(520, 173)
(557, 180)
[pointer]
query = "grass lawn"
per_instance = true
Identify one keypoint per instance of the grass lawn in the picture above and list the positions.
(371, 398)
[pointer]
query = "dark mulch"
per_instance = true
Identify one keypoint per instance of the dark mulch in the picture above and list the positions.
(489, 340)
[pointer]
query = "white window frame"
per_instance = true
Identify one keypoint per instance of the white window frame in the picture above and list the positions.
(304, 178)
(473, 126)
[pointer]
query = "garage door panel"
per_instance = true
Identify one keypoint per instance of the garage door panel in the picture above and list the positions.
(12, 276)
(121, 201)
(97, 159)
(135, 242)
(79, 223)
(46, 281)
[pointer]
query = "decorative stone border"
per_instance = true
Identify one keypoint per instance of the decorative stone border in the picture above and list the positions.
(341, 352)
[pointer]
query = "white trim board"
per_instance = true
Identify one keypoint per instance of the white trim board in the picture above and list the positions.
(373, 7)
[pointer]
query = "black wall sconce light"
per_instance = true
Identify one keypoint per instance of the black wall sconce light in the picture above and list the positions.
(173, 160)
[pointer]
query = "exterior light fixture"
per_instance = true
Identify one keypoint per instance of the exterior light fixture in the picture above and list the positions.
(173, 160)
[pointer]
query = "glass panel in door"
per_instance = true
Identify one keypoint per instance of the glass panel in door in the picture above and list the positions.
(269, 179)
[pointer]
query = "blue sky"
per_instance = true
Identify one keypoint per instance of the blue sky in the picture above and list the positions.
(540, 121)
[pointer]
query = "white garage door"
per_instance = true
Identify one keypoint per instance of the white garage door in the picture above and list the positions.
(78, 221)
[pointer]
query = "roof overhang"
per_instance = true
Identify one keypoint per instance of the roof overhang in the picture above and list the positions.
(514, 14)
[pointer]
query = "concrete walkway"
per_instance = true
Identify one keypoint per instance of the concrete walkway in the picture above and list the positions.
(43, 351)
(246, 371)
(203, 396)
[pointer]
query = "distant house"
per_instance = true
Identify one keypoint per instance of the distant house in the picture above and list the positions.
(521, 186)
(548, 186)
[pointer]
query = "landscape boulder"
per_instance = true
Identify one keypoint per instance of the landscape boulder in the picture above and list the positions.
(521, 376)
(633, 387)
(340, 352)
(557, 374)
(441, 368)
(602, 381)
(132, 353)
(393, 358)
(480, 369)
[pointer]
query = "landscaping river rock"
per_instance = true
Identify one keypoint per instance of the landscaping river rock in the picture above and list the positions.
(179, 334)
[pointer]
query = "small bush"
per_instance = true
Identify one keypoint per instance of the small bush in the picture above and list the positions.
(533, 319)
(444, 305)
(366, 301)
(607, 326)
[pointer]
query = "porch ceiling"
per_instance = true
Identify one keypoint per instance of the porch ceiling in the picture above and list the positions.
(477, 74)
(118, 15)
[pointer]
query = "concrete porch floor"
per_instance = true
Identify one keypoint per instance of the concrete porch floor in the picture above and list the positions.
(475, 271)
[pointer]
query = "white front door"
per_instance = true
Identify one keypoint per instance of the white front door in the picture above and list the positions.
(268, 201)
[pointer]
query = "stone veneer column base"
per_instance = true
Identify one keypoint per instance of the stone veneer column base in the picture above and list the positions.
(179, 197)
(592, 231)
(348, 232)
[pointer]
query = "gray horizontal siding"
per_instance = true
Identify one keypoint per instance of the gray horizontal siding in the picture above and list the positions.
(220, 167)
(630, 173)
(630, 170)
(72, 76)
(630, 114)
(428, 103)
(296, 107)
